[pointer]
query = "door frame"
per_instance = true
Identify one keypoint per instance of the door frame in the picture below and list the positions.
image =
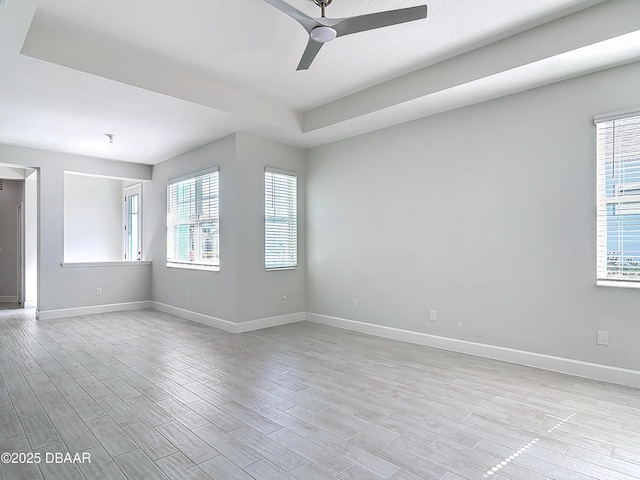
(21, 256)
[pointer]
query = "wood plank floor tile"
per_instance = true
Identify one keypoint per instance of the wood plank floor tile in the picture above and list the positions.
(14, 382)
(196, 449)
(136, 464)
(66, 385)
(220, 468)
(150, 395)
(10, 428)
(178, 467)
(250, 417)
(55, 470)
(19, 471)
(364, 459)
(54, 404)
(116, 408)
(309, 471)
(150, 411)
(233, 449)
(111, 437)
(74, 433)
(265, 470)
(101, 466)
(85, 406)
(39, 430)
(121, 388)
(181, 412)
(41, 384)
(313, 452)
(357, 473)
(148, 439)
(25, 402)
(268, 448)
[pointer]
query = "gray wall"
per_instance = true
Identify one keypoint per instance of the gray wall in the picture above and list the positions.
(213, 293)
(31, 238)
(485, 214)
(241, 290)
(10, 196)
(260, 291)
(63, 288)
(93, 221)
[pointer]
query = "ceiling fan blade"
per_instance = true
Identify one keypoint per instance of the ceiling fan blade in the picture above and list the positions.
(309, 54)
(379, 20)
(302, 18)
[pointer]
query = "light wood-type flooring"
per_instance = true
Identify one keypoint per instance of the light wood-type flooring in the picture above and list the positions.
(151, 396)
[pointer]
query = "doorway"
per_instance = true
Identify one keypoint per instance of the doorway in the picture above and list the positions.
(18, 237)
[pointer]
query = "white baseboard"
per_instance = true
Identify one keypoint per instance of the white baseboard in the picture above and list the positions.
(226, 325)
(267, 322)
(215, 322)
(8, 299)
(76, 311)
(547, 362)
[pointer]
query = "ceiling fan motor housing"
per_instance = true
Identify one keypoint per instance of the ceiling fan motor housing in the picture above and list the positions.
(323, 34)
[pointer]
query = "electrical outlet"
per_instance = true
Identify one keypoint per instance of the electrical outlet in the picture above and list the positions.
(98, 292)
(354, 303)
(283, 298)
(603, 337)
(433, 315)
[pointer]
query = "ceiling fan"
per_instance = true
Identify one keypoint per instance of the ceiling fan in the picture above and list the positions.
(322, 30)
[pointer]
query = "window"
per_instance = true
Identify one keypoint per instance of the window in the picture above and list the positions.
(280, 219)
(618, 212)
(133, 222)
(193, 235)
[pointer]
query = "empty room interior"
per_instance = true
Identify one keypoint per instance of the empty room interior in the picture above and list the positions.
(316, 239)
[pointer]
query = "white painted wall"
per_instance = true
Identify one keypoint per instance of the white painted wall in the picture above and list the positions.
(92, 219)
(10, 197)
(485, 214)
(260, 291)
(213, 293)
(241, 290)
(67, 288)
(31, 238)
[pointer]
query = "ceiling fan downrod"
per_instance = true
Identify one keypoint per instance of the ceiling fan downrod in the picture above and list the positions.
(322, 4)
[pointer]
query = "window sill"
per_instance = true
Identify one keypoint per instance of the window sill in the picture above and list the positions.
(617, 283)
(134, 263)
(184, 266)
(280, 269)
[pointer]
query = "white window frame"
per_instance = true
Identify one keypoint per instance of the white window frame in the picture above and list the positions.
(196, 222)
(129, 192)
(281, 209)
(618, 143)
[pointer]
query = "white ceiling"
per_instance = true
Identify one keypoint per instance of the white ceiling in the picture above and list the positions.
(168, 76)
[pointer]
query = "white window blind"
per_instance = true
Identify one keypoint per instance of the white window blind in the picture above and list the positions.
(618, 194)
(280, 219)
(193, 235)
